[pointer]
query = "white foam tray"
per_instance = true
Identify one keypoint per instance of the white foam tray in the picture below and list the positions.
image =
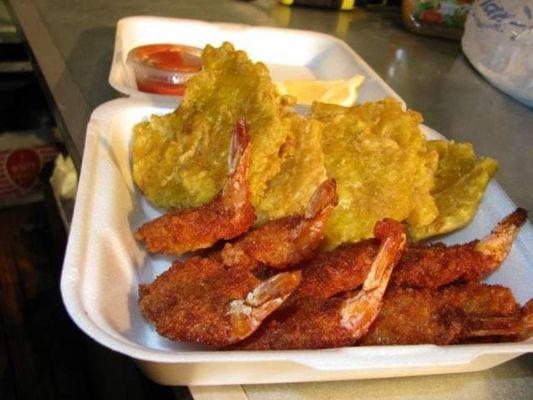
(104, 265)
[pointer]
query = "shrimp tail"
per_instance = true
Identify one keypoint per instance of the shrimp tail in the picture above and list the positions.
(359, 312)
(317, 211)
(246, 315)
(236, 192)
(497, 244)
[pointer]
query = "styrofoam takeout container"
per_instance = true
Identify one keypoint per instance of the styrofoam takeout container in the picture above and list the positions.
(104, 264)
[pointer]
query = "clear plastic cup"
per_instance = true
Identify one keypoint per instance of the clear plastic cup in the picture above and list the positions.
(164, 68)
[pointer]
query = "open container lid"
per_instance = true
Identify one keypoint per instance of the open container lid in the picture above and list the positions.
(311, 53)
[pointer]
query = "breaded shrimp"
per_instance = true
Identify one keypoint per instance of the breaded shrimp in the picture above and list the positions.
(203, 301)
(308, 322)
(453, 314)
(227, 216)
(286, 241)
(217, 300)
(438, 265)
(421, 266)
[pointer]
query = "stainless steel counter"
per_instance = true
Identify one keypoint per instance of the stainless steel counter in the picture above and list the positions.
(72, 42)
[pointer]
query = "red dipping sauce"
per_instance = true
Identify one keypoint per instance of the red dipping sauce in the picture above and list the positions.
(164, 68)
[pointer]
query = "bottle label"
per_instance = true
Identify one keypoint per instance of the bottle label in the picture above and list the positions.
(450, 13)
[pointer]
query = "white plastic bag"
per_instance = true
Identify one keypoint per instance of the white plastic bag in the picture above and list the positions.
(498, 41)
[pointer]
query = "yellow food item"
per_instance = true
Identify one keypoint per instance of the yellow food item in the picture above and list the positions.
(460, 181)
(301, 172)
(307, 91)
(181, 159)
(380, 160)
(424, 207)
(376, 152)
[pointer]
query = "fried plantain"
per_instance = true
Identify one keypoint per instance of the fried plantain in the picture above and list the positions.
(460, 181)
(381, 163)
(301, 172)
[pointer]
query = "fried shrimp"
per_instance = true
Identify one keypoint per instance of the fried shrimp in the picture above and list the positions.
(438, 265)
(227, 216)
(308, 322)
(218, 300)
(421, 266)
(453, 314)
(203, 301)
(286, 241)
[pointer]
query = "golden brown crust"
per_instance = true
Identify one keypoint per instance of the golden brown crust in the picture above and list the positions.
(287, 241)
(339, 270)
(179, 232)
(217, 300)
(444, 316)
(192, 301)
(422, 266)
(428, 303)
(272, 245)
(310, 321)
(438, 265)
(303, 323)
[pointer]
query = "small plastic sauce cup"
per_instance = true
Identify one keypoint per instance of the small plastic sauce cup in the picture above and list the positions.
(164, 68)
